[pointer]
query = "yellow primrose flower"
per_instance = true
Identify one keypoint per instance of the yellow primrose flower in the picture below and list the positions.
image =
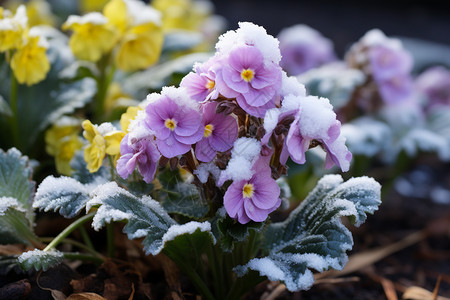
(140, 48)
(100, 145)
(62, 142)
(182, 14)
(39, 12)
(30, 63)
(92, 35)
(12, 29)
(141, 38)
(92, 5)
(129, 115)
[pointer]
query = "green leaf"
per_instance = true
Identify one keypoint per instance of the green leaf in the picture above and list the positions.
(4, 107)
(63, 194)
(313, 237)
(144, 216)
(229, 231)
(180, 197)
(40, 260)
(15, 180)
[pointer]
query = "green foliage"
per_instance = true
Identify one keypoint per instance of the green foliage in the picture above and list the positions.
(177, 196)
(16, 195)
(40, 260)
(313, 237)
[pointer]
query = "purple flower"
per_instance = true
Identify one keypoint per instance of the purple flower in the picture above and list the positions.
(142, 153)
(220, 132)
(246, 77)
(174, 118)
(314, 124)
(255, 198)
(396, 89)
(201, 85)
(434, 84)
(389, 62)
(303, 48)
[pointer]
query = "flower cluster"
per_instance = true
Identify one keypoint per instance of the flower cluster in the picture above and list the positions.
(233, 124)
(385, 61)
(303, 48)
(130, 27)
(434, 86)
(25, 47)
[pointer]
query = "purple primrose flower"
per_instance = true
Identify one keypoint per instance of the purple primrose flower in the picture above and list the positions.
(176, 121)
(246, 77)
(220, 132)
(396, 89)
(201, 84)
(303, 48)
(389, 62)
(434, 85)
(141, 153)
(255, 198)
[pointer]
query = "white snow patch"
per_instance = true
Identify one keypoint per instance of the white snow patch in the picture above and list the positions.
(204, 169)
(142, 13)
(9, 202)
(253, 35)
(188, 228)
(179, 95)
(95, 18)
(317, 116)
(271, 119)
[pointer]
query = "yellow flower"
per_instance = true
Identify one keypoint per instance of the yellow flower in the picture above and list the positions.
(100, 145)
(92, 36)
(62, 142)
(182, 14)
(92, 5)
(38, 11)
(140, 48)
(30, 63)
(12, 29)
(129, 115)
(141, 38)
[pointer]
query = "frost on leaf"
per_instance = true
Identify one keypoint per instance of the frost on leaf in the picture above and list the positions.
(16, 196)
(65, 194)
(40, 260)
(313, 237)
(144, 216)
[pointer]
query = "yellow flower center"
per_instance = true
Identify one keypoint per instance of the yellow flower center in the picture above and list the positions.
(248, 190)
(210, 84)
(171, 124)
(208, 130)
(247, 75)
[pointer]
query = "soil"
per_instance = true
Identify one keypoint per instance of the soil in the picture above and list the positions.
(425, 263)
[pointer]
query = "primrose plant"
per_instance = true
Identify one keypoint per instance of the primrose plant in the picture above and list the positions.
(200, 171)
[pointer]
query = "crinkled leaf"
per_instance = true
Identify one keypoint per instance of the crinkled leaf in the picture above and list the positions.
(4, 107)
(228, 231)
(180, 197)
(144, 216)
(160, 75)
(313, 237)
(16, 196)
(63, 194)
(40, 260)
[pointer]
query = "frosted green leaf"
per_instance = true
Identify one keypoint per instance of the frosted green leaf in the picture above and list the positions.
(40, 260)
(313, 237)
(4, 107)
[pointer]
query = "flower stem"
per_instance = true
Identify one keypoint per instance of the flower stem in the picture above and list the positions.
(103, 82)
(83, 257)
(86, 238)
(68, 231)
(77, 244)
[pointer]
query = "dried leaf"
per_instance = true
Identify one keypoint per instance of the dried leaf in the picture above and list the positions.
(85, 296)
(418, 293)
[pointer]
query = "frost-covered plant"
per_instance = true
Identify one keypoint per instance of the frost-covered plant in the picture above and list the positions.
(200, 173)
(386, 111)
